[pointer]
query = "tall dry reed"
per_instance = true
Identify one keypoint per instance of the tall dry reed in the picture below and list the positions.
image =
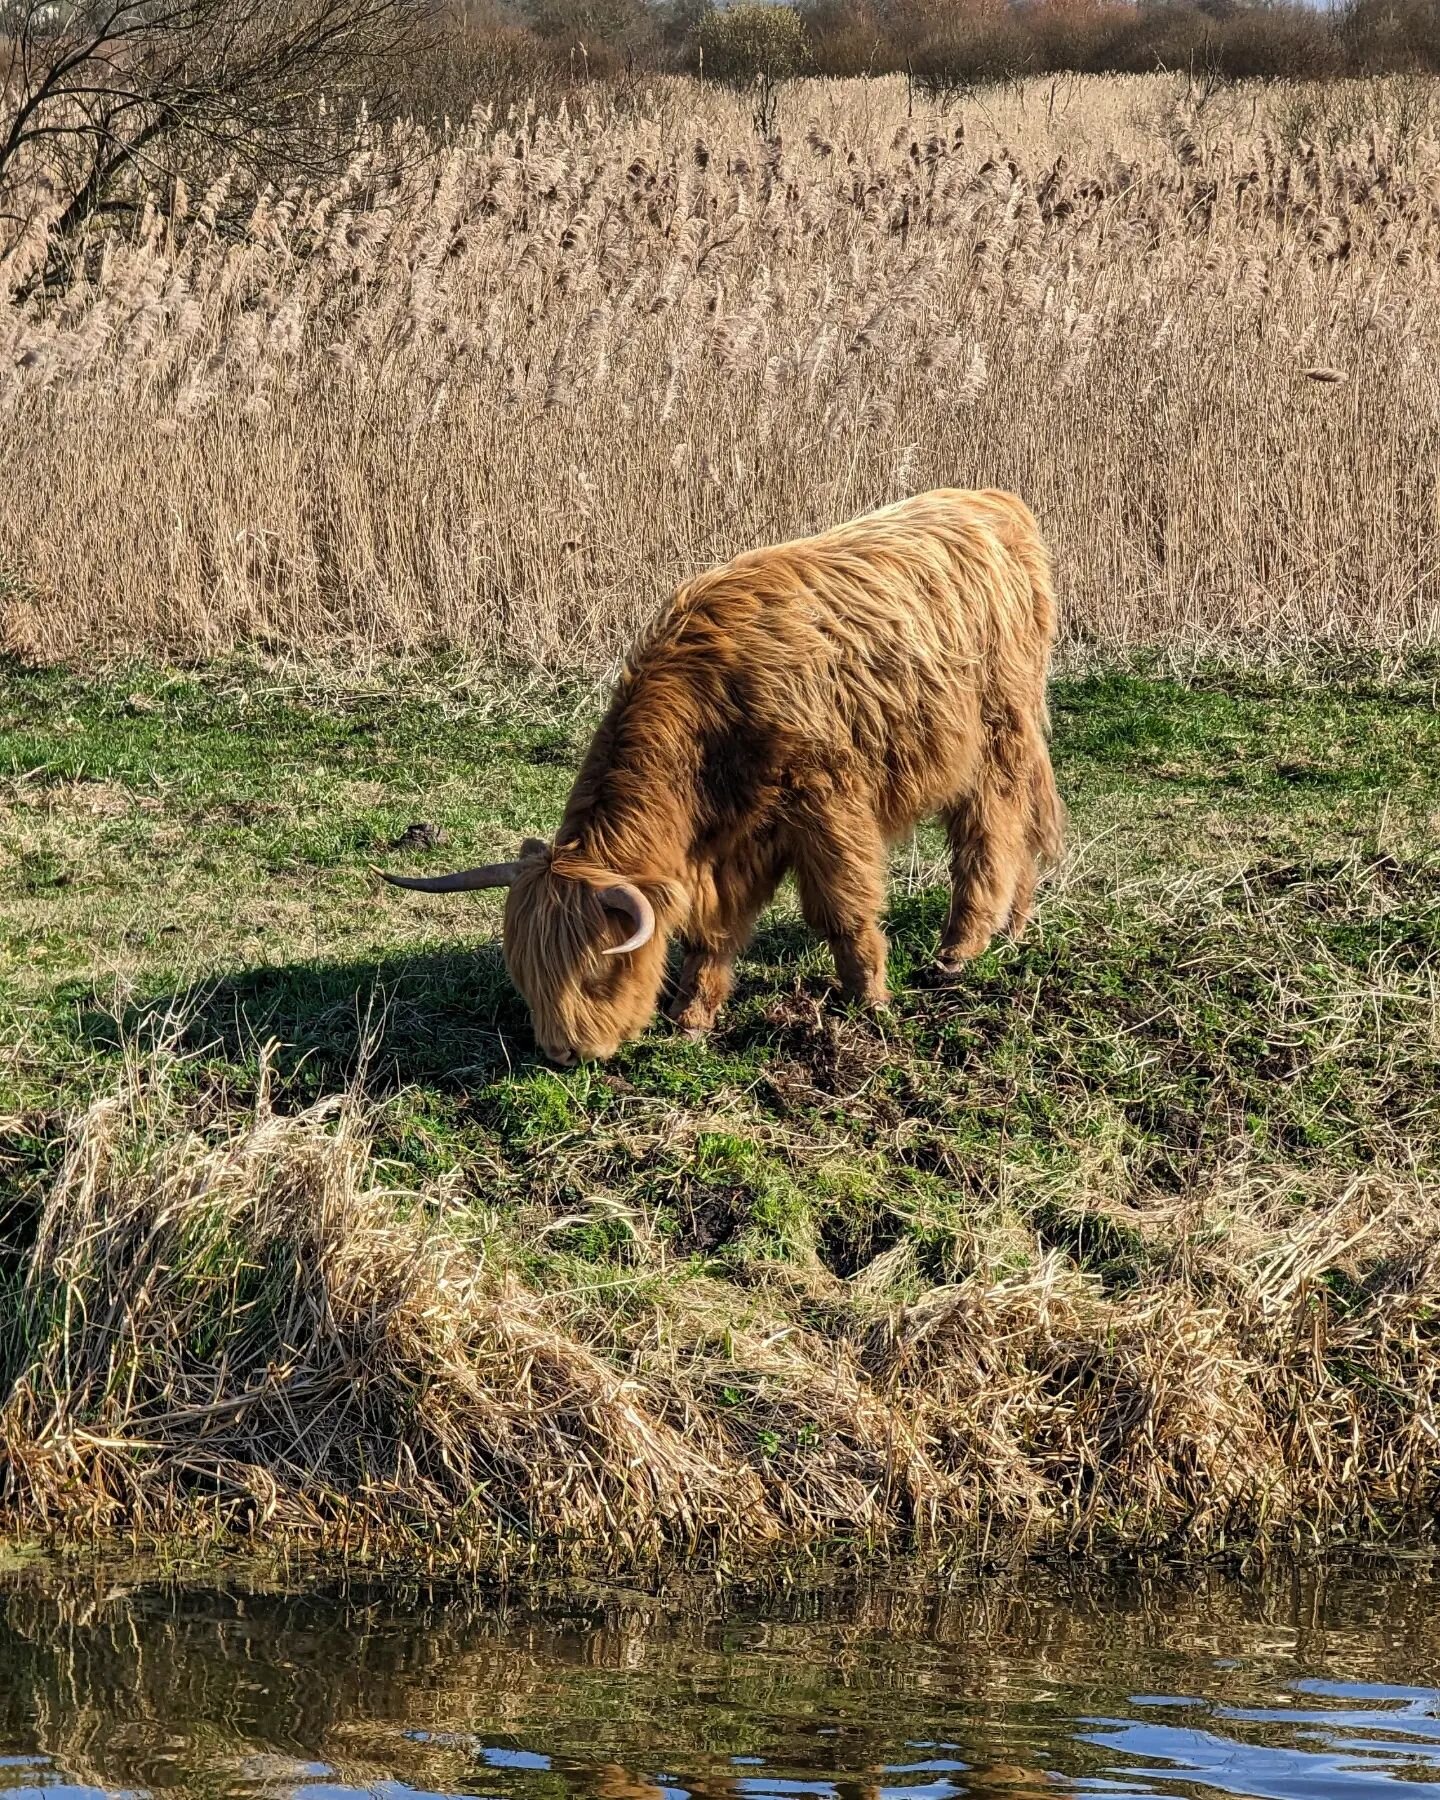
(501, 393)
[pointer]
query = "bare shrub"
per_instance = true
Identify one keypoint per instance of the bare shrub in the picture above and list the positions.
(989, 40)
(1383, 36)
(950, 49)
(476, 57)
(603, 35)
(752, 40)
(847, 37)
(97, 104)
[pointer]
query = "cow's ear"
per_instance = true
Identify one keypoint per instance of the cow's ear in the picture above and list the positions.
(534, 847)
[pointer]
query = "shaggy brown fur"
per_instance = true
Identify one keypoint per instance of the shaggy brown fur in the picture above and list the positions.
(798, 711)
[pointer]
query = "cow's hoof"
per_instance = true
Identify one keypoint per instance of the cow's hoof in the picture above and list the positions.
(872, 1005)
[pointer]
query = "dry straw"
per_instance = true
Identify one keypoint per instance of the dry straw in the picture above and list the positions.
(236, 1328)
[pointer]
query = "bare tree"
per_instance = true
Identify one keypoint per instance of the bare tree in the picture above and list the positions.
(97, 93)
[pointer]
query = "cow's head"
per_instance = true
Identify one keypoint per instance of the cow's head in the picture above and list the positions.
(585, 947)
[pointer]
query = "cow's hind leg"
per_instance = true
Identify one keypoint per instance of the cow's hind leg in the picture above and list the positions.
(1044, 840)
(1022, 906)
(707, 973)
(839, 860)
(992, 867)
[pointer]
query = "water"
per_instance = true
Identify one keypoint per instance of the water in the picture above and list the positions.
(1307, 1686)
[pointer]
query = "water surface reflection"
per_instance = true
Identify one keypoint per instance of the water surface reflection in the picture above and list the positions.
(1303, 1686)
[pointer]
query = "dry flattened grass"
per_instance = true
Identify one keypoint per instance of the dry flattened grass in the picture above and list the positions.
(503, 392)
(233, 1324)
(249, 1327)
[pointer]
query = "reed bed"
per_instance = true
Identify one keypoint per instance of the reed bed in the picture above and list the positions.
(499, 390)
(229, 1323)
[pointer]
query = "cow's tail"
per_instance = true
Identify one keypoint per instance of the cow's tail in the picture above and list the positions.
(1047, 813)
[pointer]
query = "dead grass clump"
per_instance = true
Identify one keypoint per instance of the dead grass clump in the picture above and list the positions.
(243, 1329)
(1272, 1372)
(239, 1327)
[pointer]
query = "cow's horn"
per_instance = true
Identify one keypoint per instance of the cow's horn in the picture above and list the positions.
(623, 898)
(492, 875)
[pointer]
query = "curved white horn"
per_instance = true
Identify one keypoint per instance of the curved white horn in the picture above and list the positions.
(623, 898)
(493, 875)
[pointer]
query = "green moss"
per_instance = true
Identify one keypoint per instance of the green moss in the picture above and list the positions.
(772, 1218)
(534, 1107)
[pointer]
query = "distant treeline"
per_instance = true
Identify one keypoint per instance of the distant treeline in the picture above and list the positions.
(495, 49)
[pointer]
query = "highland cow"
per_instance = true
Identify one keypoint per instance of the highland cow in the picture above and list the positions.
(797, 711)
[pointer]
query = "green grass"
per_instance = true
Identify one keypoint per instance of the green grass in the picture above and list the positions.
(1237, 965)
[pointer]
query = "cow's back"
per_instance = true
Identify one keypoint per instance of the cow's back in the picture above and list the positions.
(865, 653)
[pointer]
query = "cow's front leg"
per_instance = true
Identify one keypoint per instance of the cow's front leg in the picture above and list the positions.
(708, 972)
(706, 978)
(840, 872)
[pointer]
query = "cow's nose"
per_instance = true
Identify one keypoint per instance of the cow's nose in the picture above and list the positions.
(562, 1056)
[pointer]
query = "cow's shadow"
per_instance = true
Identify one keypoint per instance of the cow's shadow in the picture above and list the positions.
(447, 1020)
(442, 1019)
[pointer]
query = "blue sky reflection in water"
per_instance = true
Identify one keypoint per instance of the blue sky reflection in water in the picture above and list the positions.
(1306, 1686)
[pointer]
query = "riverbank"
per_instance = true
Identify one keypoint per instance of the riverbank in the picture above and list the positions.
(1130, 1242)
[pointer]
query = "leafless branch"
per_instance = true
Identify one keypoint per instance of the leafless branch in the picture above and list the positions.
(96, 94)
